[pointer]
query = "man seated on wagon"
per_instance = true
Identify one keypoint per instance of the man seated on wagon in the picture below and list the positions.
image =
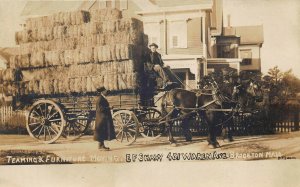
(153, 62)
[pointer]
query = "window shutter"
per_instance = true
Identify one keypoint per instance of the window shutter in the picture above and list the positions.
(123, 4)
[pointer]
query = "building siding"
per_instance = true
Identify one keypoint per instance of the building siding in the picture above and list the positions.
(254, 66)
(194, 43)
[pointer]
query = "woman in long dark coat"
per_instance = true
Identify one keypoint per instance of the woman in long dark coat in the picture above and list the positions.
(104, 128)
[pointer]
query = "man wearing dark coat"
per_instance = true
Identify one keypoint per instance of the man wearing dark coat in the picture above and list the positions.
(154, 62)
(104, 128)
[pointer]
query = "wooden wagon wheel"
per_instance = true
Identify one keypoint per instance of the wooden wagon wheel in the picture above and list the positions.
(45, 121)
(76, 127)
(149, 123)
(126, 126)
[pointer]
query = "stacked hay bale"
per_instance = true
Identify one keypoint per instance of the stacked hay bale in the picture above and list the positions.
(78, 52)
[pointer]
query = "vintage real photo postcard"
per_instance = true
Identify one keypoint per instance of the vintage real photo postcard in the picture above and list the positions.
(138, 81)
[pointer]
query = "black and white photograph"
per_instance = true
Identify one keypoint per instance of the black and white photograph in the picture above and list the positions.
(138, 82)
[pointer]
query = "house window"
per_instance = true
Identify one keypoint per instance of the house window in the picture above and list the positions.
(178, 34)
(152, 29)
(246, 55)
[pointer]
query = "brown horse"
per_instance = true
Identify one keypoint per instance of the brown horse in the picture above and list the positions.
(186, 104)
(207, 104)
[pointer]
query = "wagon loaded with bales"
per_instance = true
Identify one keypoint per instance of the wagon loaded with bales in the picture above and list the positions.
(63, 59)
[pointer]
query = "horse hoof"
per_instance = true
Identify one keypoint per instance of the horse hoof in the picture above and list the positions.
(211, 146)
(188, 140)
(227, 140)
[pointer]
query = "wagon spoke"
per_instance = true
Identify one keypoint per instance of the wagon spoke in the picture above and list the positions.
(36, 112)
(118, 120)
(36, 128)
(45, 137)
(50, 111)
(130, 135)
(122, 136)
(128, 120)
(53, 115)
(40, 131)
(126, 137)
(118, 133)
(34, 117)
(132, 124)
(131, 130)
(34, 123)
(52, 130)
(80, 124)
(55, 120)
(49, 132)
(39, 107)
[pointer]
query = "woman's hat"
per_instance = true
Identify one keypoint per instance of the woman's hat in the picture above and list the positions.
(153, 44)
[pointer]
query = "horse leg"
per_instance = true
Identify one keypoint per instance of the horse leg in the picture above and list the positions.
(186, 129)
(227, 131)
(170, 134)
(212, 138)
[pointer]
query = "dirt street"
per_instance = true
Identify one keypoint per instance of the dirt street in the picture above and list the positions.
(84, 150)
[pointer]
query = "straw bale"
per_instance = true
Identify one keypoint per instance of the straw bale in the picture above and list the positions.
(9, 89)
(24, 60)
(37, 59)
(98, 81)
(94, 40)
(92, 27)
(118, 51)
(100, 39)
(22, 36)
(68, 57)
(9, 74)
(77, 85)
(67, 18)
(36, 86)
(115, 82)
(105, 14)
(89, 84)
(88, 54)
(41, 87)
(1, 76)
(84, 84)
(55, 86)
(72, 85)
(107, 82)
(121, 81)
(109, 26)
(59, 31)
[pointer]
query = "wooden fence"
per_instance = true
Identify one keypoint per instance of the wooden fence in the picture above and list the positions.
(280, 122)
(12, 121)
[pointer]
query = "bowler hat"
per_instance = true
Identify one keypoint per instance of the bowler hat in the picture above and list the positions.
(101, 89)
(153, 44)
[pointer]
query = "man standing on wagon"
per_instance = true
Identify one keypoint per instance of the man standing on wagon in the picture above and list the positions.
(104, 128)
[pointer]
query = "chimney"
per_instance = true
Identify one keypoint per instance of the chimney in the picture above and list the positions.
(228, 20)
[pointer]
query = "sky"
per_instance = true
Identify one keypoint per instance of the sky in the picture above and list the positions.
(280, 19)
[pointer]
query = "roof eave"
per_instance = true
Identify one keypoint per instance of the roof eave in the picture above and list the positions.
(176, 9)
